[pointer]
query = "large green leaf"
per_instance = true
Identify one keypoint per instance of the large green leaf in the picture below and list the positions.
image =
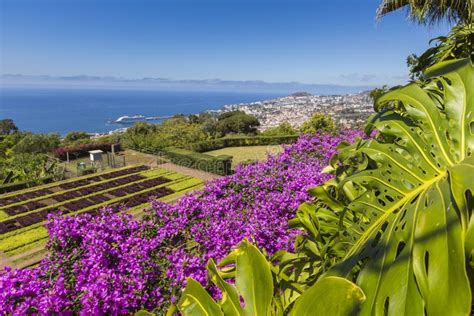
(253, 282)
(196, 301)
(404, 199)
(330, 296)
(230, 302)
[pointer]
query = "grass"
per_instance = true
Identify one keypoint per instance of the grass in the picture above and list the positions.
(249, 153)
(10, 243)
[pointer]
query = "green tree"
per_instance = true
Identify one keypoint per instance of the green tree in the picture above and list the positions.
(284, 128)
(8, 142)
(319, 123)
(208, 122)
(178, 132)
(37, 143)
(7, 127)
(72, 137)
(139, 136)
(237, 122)
(28, 167)
(193, 119)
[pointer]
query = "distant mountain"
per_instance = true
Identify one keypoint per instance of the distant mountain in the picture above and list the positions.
(84, 81)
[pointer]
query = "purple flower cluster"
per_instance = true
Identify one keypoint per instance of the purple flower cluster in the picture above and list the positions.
(114, 264)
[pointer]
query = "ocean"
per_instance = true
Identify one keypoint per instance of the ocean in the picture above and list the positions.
(92, 110)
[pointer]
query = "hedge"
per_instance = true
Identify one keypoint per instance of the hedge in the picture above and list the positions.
(219, 143)
(220, 165)
(10, 187)
(82, 150)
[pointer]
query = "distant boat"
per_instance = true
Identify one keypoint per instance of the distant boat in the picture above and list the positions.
(139, 118)
(130, 119)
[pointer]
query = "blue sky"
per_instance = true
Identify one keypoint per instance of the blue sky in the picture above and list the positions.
(312, 41)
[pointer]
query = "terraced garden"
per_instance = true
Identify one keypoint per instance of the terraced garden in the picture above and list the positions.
(22, 214)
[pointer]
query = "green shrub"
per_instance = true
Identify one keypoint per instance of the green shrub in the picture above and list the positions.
(319, 123)
(236, 122)
(219, 165)
(37, 143)
(283, 129)
(243, 141)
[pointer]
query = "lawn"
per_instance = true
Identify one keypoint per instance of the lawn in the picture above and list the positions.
(249, 153)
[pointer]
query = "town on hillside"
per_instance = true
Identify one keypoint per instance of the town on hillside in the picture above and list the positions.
(346, 110)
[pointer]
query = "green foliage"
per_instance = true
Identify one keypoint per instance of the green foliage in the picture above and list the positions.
(154, 137)
(397, 217)
(208, 122)
(319, 123)
(37, 143)
(263, 291)
(219, 143)
(215, 164)
(430, 11)
(378, 92)
(253, 282)
(236, 122)
(73, 137)
(25, 170)
(283, 129)
(7, 127)
(7, 142)
(458, 44)
(23, 162)
(330, 296)
(178, 131)
(83, 170)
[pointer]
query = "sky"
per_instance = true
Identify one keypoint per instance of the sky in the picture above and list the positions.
(309, 41)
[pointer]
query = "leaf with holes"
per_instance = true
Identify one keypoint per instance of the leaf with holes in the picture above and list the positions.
(404, 199)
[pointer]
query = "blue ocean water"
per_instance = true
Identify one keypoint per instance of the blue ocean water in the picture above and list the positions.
(90, 110)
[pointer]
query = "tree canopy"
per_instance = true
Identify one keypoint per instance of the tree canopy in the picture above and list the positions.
(76, 136)
(7, 127)
(37, 143)
(319, 123)
(237, 122)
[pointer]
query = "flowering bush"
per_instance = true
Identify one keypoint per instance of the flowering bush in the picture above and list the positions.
(112, 263)
(82, 150)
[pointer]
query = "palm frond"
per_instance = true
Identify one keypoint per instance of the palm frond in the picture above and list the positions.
(430, 11)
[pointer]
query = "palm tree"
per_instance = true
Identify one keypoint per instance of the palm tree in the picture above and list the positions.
(431, 11)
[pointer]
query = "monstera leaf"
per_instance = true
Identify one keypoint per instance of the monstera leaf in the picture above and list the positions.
(402, 202)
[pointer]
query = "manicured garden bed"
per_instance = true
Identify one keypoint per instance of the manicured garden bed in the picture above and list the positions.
(23, 213)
